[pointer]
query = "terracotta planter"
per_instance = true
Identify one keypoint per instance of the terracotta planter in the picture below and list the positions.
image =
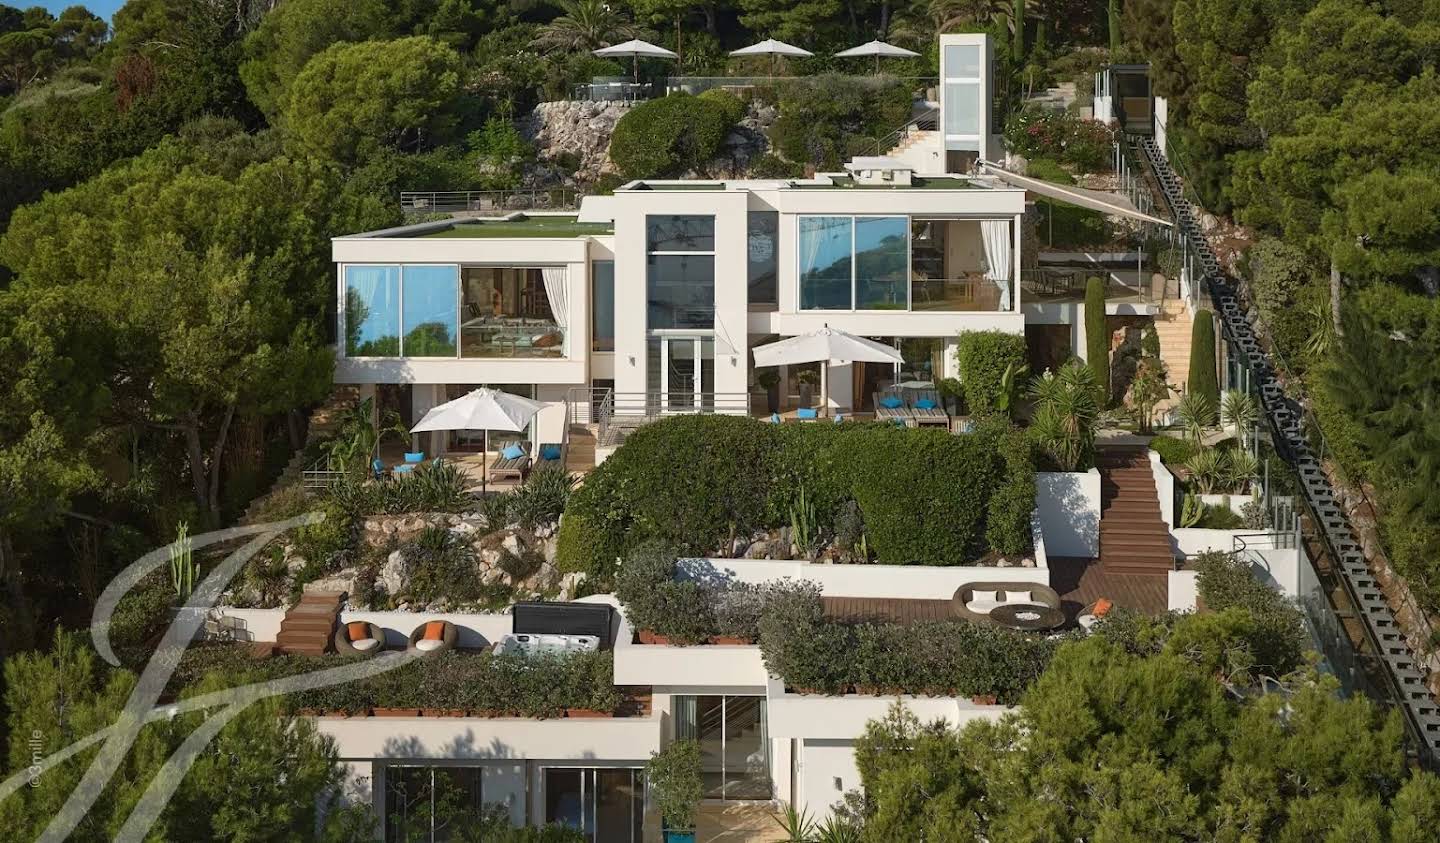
(587, 712)
(307, 712)
(395, 712)
(483, 712)
(730, 640)
(983, 699)
(648, 637)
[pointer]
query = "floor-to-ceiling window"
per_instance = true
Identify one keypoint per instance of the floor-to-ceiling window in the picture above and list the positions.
(882, 263)
(681, 372)
(734, 748)
(602, 298)
(430, 804)
(680, 272)
(826, 247)
(762, 268)
(372, 311)
(510, 312)
(606, 804)
(430, 311)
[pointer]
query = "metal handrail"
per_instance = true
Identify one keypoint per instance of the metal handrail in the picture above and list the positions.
(450, 201)
(890, 141)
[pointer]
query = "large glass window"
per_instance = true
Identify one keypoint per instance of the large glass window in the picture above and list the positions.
(882, 258)
(606, 804)
(430, 312)
(372, 311)
(734, 748)
(670, 233)
(962, 108)
(431, 804)
(950, 265)
(826, 244)
(962, 61)
(506, 312)
(602, 296)
(763, 270)
(680, 291)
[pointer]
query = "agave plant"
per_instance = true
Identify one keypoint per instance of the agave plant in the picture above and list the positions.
(1194, 411)
(1238, 468)
(1207, 469)
(1238, 409)
(836, 830)
(798, 825)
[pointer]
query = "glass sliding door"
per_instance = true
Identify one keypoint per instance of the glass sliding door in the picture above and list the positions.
(734, 748)
(680, 372)
(882, 263)
(431, 310)
(826, 246)
(372, 311)
(431, 804)
(606, 804)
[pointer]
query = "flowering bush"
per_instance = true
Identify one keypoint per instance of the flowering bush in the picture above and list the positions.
(1084, 144)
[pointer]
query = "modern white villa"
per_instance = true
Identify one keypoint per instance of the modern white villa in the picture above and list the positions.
(650, 302)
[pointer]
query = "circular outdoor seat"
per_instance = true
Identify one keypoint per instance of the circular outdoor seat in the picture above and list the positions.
(449, 633)
(348, 645)
(976, 601)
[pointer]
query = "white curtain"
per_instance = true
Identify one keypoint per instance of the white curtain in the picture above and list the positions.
(999, 255)
(555, 290)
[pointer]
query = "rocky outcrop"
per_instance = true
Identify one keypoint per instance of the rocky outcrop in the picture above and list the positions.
(572, 142)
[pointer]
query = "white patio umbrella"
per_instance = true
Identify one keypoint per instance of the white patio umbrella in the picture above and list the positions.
(635, 49)
(772, 48)
(878, 49)
(483, 409)
(826, 345)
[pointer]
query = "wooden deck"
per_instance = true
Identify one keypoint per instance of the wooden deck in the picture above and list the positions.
(888, 609)
(1083, 581)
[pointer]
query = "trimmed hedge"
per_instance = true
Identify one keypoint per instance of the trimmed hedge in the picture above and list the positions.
(1172, 450)
(512, 685)
(818, 654)
(1203, 378)
(983, 357)
(1097, 338)
(696, 482)
(673, 135)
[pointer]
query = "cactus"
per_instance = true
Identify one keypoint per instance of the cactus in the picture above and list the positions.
(802, 523)
(1191, 509)
(182, 563)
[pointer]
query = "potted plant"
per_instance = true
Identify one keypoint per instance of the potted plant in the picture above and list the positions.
(769, 380)
(673, 774)
(807, 378)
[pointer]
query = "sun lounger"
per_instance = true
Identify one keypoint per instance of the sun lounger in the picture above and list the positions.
(899, 412)
(516, 467)
(925, 406)
(550, 453)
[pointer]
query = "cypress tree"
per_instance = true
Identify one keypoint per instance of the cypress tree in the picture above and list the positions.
(1097, 339)
(1202, 358)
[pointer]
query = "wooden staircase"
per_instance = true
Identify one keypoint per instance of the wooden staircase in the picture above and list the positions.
(307, 628)
(580, 450)
(1133, 537)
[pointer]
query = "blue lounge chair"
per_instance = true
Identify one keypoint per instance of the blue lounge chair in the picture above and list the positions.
(417, 457)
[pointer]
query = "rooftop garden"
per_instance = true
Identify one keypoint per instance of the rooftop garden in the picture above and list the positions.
(858, 492)
(530, 226)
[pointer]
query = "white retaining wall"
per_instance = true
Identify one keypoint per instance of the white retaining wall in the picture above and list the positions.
(926, 582)
(1164, 488)
(1068, 503)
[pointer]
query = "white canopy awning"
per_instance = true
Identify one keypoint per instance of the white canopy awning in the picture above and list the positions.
(825, 345)
(876, 48)
(771, 47)
(1095, 200)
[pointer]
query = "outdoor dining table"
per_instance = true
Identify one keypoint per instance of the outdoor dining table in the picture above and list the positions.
(1027, 616)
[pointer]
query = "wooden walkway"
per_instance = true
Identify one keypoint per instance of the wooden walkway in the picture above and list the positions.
(1083, 581)
(893, 610)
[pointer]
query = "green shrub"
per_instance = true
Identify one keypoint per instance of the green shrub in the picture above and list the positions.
(430, 488)
(1064, 137)
(823, 119)
(816, 653)
(1278, 271)
(772, 166)
(983, 357)
(542, 498)
(1279, 640)
(1048, 169)
(674, 775)
(442, 566)
(1173, 451)
(671, 135)
(1097, 338)
(1011, 506)
(730, 107)
(655, 601)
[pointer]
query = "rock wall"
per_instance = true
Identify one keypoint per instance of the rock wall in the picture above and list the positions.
(572, 142)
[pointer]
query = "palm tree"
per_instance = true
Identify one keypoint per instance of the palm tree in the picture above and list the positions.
(1066, 414)
(585, 25)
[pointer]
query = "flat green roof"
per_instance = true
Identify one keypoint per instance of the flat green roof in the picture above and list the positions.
(556, 226)
(693, 185)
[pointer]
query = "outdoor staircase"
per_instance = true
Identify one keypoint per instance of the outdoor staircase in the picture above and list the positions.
(324, 420)
(1172, 326)
(580, 448)
(1284, 415)
(306, 629)
(911, 138)
(1133, 536)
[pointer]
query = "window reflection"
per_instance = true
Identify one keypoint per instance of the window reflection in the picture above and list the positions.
(881, 262)
(372, 311)
(825, 261)
(734, 749)
(431, 299)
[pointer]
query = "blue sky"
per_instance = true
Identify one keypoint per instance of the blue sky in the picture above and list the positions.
(103, 8)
